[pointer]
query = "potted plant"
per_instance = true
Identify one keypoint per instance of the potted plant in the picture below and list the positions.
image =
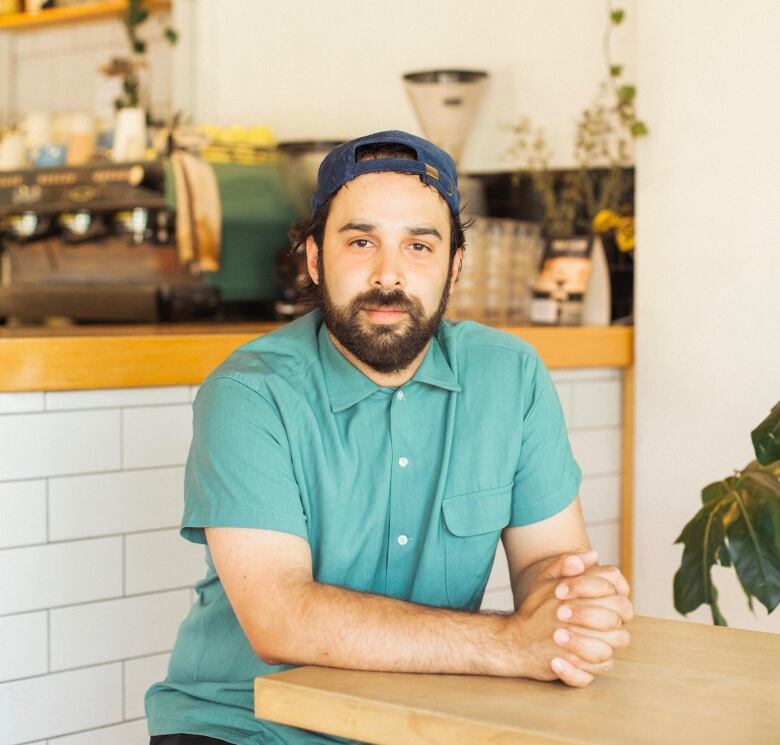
(738, 525)
(132, 115)
(578, 204)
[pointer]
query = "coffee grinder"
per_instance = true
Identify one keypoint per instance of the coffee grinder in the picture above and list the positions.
(446, 103)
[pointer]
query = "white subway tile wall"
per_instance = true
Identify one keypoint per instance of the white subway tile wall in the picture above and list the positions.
(94, 578)
(23, 645)
(22, 512)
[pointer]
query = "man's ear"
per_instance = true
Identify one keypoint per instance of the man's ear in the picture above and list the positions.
(312, 252)
(457, 264)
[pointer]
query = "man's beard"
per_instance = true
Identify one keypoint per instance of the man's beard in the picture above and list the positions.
(386, 348)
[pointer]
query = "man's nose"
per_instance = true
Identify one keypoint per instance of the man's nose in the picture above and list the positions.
(387, 270)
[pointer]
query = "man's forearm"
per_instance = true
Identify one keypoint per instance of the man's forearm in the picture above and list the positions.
(336, 627)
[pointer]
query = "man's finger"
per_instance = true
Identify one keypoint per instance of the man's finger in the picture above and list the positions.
(616, 638)
(614, 575)
(585, 586)
(569, 674)
(571, 564)
(610, 574)
(604, 612)
(594, 668)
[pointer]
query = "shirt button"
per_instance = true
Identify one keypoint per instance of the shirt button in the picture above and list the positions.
(403, 540)
(400, 395)
(403, 462)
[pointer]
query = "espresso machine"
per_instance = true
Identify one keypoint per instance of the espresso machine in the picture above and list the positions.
(92, 243)
(173, 239)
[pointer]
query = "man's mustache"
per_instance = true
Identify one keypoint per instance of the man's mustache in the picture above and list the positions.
(396, 299)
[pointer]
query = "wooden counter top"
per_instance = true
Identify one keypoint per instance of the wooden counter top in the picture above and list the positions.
(87, 357)
(677, 682)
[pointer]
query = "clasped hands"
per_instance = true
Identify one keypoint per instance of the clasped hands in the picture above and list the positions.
(583, 607)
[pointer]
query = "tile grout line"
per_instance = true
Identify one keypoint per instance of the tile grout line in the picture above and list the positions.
(48, 640)
(91, 537)
(121, 439)
(81, 732)
(91, 665)
(78, 474)
(48, 505)
(98, 601)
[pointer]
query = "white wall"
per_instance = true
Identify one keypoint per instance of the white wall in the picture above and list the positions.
(708, 269)
(333, 69)
(55, 69)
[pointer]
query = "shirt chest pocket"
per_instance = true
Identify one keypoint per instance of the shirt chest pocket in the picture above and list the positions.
(472, 528)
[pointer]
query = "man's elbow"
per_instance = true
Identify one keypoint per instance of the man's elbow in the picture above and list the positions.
(269, 648)
(278, 639)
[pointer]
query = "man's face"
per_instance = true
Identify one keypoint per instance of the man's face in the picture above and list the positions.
(385, 272)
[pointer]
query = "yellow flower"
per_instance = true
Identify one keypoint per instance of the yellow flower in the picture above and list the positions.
(605, 220)
(624, 234)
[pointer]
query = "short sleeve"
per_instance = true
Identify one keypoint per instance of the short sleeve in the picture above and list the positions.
(547, 478)
(239, 470)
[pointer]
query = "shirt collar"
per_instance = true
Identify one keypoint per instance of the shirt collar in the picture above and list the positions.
(347, 385)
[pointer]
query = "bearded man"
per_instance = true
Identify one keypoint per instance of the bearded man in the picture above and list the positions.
(352, 473)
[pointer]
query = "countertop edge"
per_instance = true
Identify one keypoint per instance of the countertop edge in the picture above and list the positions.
(136, 357)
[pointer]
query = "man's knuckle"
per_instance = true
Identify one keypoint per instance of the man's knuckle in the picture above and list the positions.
(604, 654)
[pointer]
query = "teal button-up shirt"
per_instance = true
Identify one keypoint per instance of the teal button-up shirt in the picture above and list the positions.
(399, 491)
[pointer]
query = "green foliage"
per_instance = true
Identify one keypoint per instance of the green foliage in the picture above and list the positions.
(602, 140)
(617, 16)
(133, 18)
(738, 525)
(626, 93)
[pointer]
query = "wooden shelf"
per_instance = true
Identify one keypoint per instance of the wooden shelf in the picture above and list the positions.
(130, 356)
(72, 14)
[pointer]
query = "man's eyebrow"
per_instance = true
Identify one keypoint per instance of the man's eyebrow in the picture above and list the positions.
(362, 227)
(365, 227)
(424, 230)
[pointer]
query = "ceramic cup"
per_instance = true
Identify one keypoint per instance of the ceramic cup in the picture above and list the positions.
(129, 135)
(13, 153)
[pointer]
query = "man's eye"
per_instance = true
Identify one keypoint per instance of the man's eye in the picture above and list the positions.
(361, 243)
(420, 247)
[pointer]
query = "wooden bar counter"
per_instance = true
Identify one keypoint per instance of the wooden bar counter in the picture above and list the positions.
(89, 357)
(677, 682)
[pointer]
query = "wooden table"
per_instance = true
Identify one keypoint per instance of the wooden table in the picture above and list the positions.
(677, 682)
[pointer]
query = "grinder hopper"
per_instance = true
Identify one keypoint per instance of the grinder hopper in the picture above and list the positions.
(446, 103)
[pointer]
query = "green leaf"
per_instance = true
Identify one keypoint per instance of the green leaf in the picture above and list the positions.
(626, 93)
(704, 538)
(717, 616)
(139, 46)
(766, 437)
(716, 491)
(764, 480)
(638, 129)
(171, 34)
(615, 70)
(617, 16)
(753, 541)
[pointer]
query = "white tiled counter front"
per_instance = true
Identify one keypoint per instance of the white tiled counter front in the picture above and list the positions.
(94, 579)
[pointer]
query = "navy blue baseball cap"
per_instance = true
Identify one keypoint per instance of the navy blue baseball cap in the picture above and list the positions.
(432, 165)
